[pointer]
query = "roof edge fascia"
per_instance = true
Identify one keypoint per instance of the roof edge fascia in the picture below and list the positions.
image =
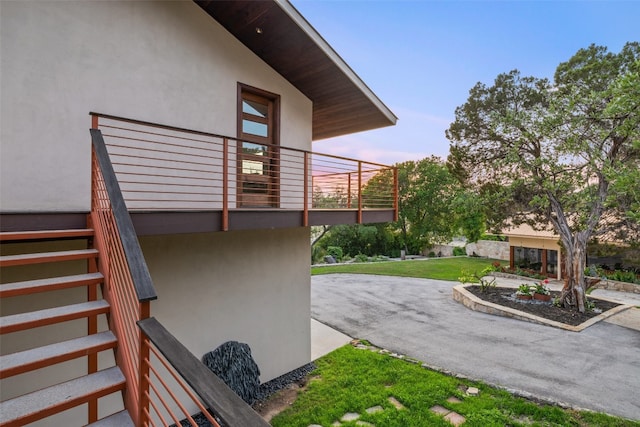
(303, 24)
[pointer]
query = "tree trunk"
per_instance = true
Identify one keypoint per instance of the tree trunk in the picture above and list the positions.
(574, 291)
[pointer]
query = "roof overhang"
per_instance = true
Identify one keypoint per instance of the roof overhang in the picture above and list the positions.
(342, 102)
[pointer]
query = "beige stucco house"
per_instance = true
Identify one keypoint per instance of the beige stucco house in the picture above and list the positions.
(537, 250)
(207, 112)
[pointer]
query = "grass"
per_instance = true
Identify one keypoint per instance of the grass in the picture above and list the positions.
(432, 268)
(352, 380)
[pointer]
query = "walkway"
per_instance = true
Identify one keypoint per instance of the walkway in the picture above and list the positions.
(598, 368)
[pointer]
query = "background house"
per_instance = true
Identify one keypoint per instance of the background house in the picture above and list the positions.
(230, 265)
(535, 250)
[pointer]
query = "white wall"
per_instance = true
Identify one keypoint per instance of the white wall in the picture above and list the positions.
(249, 286)
(165, 62)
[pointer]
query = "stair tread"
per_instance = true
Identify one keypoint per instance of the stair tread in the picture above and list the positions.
(41, 256)
(119, 419)
(63, 396)
(78, 346)
(42, 285)
(45, 234)
(15, 320)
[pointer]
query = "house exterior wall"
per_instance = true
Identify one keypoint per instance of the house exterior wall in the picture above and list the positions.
(169, 63)
(164, 62)
(536, 243)
(246, 286)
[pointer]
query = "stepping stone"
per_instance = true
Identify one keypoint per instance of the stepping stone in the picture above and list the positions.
(350, 416)
(365, 424)
(375, 409)
(439, 410)
(455, 418)
(454, 399)
(336, 424)
(473, 391)
(399, 406)
(314, 425)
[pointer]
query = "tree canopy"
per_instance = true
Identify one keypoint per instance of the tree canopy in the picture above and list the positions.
(563, 154)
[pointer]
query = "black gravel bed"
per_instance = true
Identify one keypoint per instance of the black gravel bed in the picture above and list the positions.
(568, 316)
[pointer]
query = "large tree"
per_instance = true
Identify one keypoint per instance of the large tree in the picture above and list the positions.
(557, 153)
(426, 191)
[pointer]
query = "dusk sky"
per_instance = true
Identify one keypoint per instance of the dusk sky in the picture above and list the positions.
(422, 57)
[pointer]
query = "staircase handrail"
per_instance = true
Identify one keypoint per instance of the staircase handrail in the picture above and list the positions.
(137, 265)
(225, 404)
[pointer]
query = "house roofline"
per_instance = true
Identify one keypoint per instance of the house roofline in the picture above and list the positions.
(278, 34)
(302, 22)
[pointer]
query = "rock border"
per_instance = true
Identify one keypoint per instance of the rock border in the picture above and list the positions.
(469, 300)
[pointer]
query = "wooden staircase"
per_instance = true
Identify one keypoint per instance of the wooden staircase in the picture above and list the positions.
(50, 281)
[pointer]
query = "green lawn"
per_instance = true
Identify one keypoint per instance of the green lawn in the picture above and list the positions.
(352, 380)
(433, 268)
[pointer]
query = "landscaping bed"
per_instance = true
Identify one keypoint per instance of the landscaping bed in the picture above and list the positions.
(506, 297)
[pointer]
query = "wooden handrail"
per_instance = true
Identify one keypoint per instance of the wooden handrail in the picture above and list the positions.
(137, 265)
(225, 404)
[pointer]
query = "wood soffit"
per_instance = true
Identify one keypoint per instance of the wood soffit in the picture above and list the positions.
(342, 103)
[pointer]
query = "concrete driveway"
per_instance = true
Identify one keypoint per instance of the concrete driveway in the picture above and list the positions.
(597, 369)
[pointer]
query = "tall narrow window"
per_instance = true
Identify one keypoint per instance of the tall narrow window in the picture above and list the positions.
(258, 123)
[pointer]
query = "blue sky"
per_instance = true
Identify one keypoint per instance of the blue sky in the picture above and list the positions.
(422, 57)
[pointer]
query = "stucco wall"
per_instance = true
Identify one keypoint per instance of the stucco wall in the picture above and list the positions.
(252, 287)
(165, 62)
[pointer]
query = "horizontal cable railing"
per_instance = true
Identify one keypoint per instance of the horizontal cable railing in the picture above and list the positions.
(165, 383)
(174, 371)
(167, 168)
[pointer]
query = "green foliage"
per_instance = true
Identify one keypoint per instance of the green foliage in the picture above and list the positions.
(560, 153)
(361, 258)
(426, 191)
(436, 268)
(623, 276)
(317, 254)
(369, 240)
(352, 380)
(469, 216)
(485, 284)
(336, 252)
(524, 289)
(458, 251)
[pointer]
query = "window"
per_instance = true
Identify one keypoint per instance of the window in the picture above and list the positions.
(258, 157)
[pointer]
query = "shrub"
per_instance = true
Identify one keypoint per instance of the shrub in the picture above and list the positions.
(336, 252)
(432, 254)
(458, 251)
(318, 255)
(362, 258)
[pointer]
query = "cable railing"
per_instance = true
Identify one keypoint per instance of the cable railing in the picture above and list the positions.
(166, 384)
(164, 168)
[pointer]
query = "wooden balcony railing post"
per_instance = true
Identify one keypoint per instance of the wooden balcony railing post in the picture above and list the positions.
(305, 214)
(396, 206)
(225, 184)
(349, 191)
(143, 370)
(359, 191)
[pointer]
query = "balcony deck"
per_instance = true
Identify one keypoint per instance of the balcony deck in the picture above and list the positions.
(176, 180)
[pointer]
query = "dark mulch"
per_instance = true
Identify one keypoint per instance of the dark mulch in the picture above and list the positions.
(568, 316)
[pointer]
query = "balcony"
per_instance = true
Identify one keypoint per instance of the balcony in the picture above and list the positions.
(177, 180)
